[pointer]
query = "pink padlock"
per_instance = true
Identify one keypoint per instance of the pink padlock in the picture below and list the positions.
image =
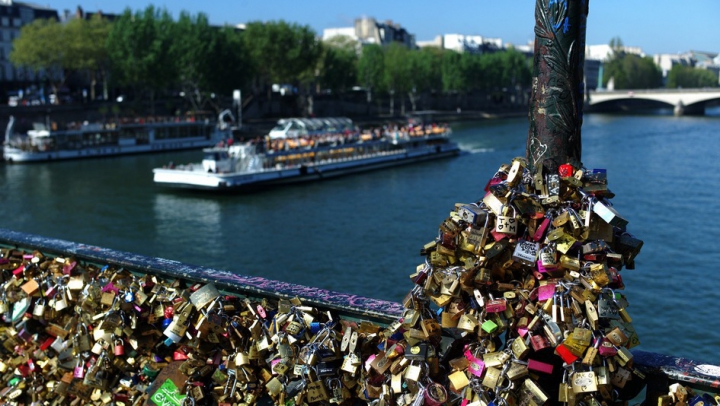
(496, 306)
(119, 349)
(538, 366)
(79, 371)
(540, 232)
(476, 366)
(546, 292)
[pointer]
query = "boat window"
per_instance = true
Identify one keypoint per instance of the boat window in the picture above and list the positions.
(280, 127)
(142, 137)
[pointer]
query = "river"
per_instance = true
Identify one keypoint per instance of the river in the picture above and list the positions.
(362, 234)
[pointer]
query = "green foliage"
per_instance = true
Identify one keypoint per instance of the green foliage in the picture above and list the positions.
(140, 48)
(453, 77)
(427, 69)
(282, 52)
(685, 76)
(397, 70)
(209, 60)
(632, 72)
(493, 71)
(150, 51)
(89, 42)
(617, 47)
(339, 64)
(42, 45)
(371, 67)
(50, 47)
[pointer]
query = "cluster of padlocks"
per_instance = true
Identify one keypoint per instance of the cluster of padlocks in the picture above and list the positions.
(528, 280)
(517, 303)
(684, 395)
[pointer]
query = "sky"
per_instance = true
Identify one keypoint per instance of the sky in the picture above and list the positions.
(656, 26)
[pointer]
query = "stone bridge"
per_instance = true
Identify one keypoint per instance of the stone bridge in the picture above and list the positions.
(683, 101)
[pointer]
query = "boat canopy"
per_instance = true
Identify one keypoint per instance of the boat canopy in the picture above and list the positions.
(39, 130)
(300, 127)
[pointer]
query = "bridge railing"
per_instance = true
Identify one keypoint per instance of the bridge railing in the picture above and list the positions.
(661, 370)
(660, 90)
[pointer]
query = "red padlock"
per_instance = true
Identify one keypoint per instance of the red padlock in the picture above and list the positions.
(119, 349)
(435, 395)
(566, 170)
(565, 354)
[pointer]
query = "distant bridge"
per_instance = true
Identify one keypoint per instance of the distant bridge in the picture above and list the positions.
(683, 101)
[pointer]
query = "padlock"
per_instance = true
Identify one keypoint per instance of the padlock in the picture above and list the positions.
(60, 302)
(583, 382)
(526, 252)
(81, 341)
(39, 309)
(316, 392)
(506, 224)
(493, 378)
(119, 347)
(79, 371)
(435, 394)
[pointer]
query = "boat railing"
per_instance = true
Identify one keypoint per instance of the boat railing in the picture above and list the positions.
(660, 370)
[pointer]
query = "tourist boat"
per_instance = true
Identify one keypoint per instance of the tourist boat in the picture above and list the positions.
(105, 139)
(279, 160)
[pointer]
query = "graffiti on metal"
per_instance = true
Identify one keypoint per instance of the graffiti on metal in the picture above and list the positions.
(557, 89)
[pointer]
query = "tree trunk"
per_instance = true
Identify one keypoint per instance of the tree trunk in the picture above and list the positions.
(392, 102)
(557, 90)
(93, 82)
(368, 93)
(413, 96)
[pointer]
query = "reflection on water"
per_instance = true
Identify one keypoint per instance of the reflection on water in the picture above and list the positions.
(187, 221)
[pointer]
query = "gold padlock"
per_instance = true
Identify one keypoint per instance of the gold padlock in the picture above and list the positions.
(583, 382)
(493, 378)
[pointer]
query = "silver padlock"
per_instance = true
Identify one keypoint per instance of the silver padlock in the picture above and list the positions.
(507, 224)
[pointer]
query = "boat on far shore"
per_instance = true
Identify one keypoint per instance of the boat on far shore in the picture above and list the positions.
(121, 137)
(301, 150)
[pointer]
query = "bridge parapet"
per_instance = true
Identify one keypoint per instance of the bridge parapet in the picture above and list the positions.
(684, 101)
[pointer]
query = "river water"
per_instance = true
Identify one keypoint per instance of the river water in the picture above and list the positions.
(362, 234)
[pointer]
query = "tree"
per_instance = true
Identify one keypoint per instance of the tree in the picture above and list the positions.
(210, 61)
(371, 68)
(616, 47)
(282, 52)
(453, 79)
(90, 47)
(685, 76)
(397, 73)
(140, 50)
(425, 72)
(631, 71)
(56, 51)
(338, 67)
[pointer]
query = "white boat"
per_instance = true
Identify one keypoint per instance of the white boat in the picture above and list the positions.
(253, 165)
(106, 139)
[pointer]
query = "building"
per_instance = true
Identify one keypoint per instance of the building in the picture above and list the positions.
(436, 42)
(14, 15)
(475, 44)
(67, 16)
(604, 52)
(666, 62)
(368, 30)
